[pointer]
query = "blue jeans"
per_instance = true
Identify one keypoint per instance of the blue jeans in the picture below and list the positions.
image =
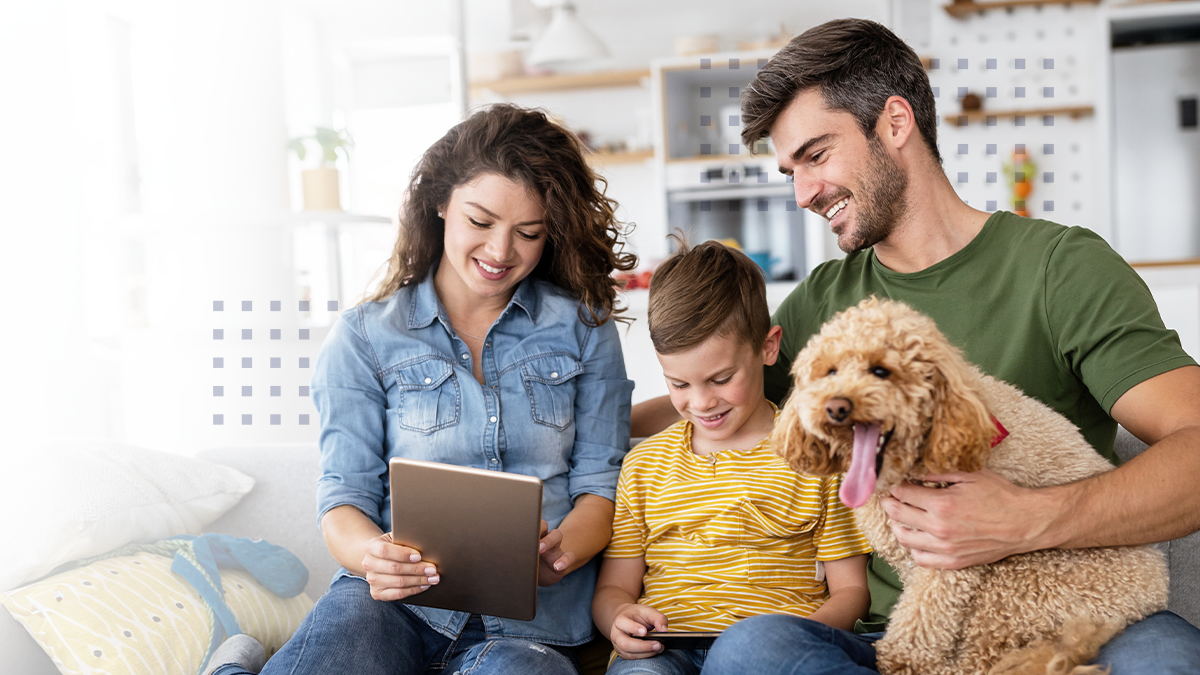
(670, 662)
(1161, 644)
(348, 631)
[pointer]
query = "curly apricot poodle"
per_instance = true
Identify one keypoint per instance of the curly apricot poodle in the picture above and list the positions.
(883, 397)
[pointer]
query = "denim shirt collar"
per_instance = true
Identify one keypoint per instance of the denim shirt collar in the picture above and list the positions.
(426, 306)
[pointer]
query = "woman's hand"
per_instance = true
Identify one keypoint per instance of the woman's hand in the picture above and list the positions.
(394, 571)
(635, 620)
(553, 561)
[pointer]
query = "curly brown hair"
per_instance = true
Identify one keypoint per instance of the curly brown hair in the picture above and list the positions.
(585, 242)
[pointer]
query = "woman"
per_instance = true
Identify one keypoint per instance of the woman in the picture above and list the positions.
(489, 344)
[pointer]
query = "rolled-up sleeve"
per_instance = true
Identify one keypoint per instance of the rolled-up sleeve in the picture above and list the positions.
(352, 405)
(602, 403)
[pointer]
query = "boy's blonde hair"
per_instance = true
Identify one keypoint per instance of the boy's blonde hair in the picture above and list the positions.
(706, 290)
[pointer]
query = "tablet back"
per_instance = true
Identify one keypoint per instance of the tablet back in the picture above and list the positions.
(480, 528)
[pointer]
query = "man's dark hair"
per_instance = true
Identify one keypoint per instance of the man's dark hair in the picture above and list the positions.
(856, 65)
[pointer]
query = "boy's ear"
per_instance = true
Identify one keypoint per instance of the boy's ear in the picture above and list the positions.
(771, 345)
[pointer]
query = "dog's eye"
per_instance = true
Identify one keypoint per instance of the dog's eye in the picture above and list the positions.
(880, 372)
(832, 371)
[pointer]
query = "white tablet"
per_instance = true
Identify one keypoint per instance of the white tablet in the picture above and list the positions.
(479, 528)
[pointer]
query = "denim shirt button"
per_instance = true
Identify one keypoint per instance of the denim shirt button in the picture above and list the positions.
(553, 375)
(494, 460)
(492, 419)
(466, 356)
(428, 380)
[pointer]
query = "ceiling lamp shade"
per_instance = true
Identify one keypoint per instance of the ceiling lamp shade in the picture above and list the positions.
(566, 41)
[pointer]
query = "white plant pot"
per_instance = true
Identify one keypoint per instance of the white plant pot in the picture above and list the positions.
(321, 189)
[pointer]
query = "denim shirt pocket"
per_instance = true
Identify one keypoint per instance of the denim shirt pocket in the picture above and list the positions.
(430, 398)
(549, 381)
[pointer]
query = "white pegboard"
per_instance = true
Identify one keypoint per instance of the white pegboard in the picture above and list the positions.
(1051, 53)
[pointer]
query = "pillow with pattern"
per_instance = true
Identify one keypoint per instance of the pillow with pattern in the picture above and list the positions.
(132, 615)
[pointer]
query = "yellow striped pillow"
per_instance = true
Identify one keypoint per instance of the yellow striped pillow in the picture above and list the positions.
(133, 615)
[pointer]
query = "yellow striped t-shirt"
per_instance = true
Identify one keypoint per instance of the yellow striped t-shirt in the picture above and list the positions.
(728, 535)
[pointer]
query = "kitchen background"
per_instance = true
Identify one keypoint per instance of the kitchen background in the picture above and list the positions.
(165, 285)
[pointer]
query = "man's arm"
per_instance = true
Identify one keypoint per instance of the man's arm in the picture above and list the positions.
(652, 416)
(1152, 498)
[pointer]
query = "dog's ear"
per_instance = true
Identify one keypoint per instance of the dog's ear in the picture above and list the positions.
(962, 429)
(804, 452)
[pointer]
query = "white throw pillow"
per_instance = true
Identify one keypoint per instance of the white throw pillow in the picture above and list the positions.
(75, 499)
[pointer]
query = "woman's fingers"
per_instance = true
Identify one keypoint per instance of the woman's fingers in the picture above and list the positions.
(395, 571)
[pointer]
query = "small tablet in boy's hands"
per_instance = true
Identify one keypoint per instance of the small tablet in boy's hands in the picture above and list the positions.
(681, 639)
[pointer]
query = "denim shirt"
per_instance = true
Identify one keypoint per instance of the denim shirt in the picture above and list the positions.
(394, 380)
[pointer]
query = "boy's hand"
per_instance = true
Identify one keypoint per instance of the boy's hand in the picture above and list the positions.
(636, 620)
(552, 560)
(394, 571)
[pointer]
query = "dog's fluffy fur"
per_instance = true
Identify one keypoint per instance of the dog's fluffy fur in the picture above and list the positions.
(1042, 612)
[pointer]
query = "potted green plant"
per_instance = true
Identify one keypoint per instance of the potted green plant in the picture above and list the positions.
(321, 191)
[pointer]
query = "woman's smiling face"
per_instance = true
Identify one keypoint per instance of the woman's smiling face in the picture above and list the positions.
(495, 234)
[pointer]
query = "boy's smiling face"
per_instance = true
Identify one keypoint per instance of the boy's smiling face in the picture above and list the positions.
(718, 387)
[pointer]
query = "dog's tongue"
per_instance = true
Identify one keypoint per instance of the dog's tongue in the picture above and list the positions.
(859, 481)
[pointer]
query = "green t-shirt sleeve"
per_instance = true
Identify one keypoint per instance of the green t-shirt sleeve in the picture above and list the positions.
(1104, 320)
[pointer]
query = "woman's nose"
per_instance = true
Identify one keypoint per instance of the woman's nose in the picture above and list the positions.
(499, 245)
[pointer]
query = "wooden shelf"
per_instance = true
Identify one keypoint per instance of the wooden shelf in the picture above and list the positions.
(623, 157)
(959, 10)
(979, 115)
(521, 85)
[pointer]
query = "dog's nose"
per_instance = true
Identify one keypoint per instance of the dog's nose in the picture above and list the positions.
(838, 409)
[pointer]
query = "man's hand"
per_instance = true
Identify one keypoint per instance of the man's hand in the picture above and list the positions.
(980, 518)
(553, 562)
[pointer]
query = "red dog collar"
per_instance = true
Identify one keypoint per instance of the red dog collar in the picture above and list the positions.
(1001, 432)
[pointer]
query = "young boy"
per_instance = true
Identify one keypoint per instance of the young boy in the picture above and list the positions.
(711, 526)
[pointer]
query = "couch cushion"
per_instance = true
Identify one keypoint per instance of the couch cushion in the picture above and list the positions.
(282, 507)
(82, 498)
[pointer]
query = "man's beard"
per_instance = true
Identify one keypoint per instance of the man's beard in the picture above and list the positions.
(880, 201)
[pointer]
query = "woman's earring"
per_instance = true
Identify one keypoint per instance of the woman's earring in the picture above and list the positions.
(441, 216)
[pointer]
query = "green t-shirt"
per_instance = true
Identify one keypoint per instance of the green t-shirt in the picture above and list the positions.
(1050, 309)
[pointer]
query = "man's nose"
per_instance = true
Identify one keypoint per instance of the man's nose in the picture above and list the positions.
(807, 190)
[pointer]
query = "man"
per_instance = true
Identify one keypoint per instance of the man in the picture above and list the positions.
(1050, 309)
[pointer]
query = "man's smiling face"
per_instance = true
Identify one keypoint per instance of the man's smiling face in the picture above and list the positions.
(839, 173)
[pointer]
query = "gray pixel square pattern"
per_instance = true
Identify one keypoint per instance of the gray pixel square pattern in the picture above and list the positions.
(218, 420)
(991, 148)
(276, 362)
(247, 333)
(1048, 176)
(218, 390)
(276, 334)
(303, 333)
(247, 305)
(218, 334)
(331, 305)
(276, 390)
(218, 305)
(1048, 148)
(247, 420)
(218, 362)
(247, 390)
(276, 419)
(304, 390)
(304, 305)
(247, 362)
(1048, 206)
(276, 305)
(991, 177)
(304, 420)
(303, 361)
(962, 148)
